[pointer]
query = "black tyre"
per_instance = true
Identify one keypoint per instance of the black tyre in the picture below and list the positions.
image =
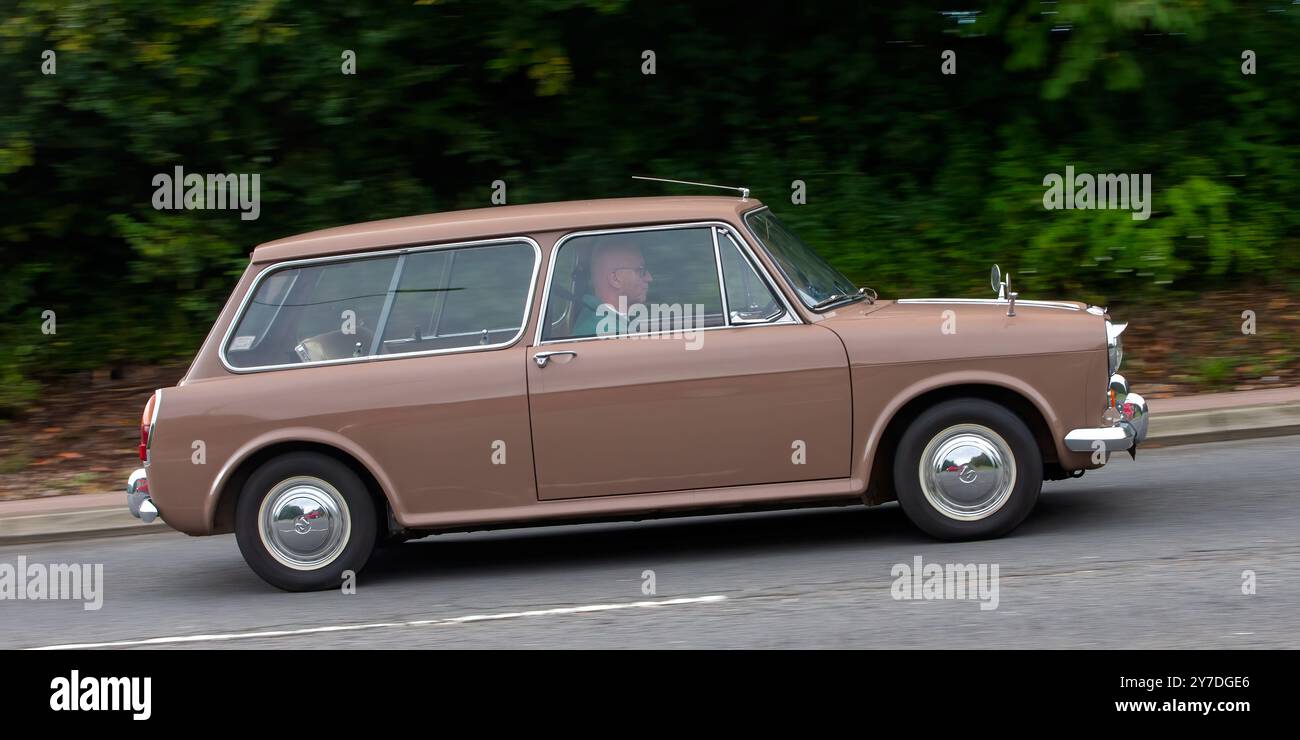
(303, 520)
(968, 469)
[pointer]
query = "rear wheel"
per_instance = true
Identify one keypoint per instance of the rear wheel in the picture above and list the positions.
(968, 469)
(304, 520)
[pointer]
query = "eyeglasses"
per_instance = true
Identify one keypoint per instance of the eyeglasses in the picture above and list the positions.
(641, 272)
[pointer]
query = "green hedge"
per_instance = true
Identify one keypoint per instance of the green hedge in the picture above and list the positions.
(916, 181)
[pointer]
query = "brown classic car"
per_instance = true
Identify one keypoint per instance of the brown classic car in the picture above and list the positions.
(608, 359)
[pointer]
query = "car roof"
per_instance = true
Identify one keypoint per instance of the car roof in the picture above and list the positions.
(501, 221)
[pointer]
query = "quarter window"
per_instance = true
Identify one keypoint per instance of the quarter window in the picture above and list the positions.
(307, 314)
(749, 299)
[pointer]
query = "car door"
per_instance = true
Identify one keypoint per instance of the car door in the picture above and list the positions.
(694, 385)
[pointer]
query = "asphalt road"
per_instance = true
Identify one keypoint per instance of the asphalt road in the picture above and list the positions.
(1140, 554)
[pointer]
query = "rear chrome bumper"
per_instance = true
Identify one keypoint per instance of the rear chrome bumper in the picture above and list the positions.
(1128, 416)
(137, 497)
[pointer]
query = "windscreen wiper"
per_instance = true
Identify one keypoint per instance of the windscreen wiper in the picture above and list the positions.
(838, 297)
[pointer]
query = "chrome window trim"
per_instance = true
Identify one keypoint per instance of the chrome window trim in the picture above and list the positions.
(353, 256)
(722, 281)
(790, 317)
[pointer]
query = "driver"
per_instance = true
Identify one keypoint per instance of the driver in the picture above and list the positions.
(619, 280)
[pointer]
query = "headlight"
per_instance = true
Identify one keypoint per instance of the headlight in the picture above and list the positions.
(1115, 345)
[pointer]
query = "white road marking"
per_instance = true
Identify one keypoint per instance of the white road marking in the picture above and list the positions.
(389, 625)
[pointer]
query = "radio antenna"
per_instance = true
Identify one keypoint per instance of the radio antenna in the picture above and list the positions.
(744, 192)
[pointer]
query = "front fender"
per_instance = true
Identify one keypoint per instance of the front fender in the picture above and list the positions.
(1056, 386)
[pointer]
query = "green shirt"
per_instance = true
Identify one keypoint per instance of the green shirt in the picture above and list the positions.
(591, 314)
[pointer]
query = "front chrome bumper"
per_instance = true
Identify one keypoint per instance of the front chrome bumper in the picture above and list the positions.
(137, 497)
(1127, 413)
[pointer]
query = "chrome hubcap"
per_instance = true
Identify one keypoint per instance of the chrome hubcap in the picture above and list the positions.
(967, 472)
(305, 523)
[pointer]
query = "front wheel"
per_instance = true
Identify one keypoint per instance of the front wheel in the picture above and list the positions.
(968, 469)
(303, 521)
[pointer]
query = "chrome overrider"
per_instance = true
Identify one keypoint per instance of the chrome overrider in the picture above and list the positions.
(1126, 422)
(137, 497)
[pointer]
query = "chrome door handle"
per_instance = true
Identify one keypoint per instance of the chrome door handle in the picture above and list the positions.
(541, 358)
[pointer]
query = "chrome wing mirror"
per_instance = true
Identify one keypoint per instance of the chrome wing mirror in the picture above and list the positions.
(1003, 288)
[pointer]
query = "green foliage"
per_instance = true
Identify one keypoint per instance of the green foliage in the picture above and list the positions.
(916, 181)
(1214, 371)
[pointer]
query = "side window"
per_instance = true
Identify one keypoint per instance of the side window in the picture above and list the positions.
(307, 314)
(464, 297)
(430, 300)
(633, 282)
(749, 299)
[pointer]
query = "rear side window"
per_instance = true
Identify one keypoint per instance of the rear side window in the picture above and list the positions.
(454, 298)
(438, 299)
(309, 314)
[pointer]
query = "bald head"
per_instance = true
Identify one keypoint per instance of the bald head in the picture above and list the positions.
(618, 271)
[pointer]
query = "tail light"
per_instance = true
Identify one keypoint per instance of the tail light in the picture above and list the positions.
(146, 426)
